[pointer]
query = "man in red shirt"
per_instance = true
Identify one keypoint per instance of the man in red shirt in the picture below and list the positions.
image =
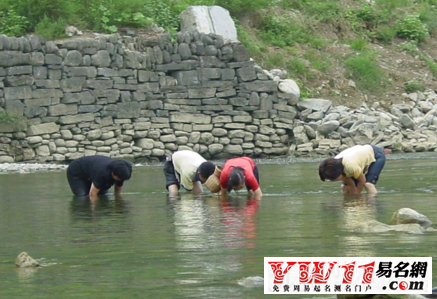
(240, 172)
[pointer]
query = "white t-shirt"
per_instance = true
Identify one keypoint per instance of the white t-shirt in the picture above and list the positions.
(186, 163)
(357, 159)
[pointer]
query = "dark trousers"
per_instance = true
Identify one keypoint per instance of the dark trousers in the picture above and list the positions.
(376, 167)
(256, 174)
(170, 175)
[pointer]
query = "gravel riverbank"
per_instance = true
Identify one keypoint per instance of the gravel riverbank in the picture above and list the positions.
(29, 167)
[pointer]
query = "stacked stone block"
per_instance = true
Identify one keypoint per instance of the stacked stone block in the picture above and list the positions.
(138, 98)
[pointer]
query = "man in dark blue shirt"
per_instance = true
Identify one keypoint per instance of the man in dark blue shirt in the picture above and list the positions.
(95, 175)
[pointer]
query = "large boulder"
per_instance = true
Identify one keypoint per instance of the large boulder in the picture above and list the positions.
(408, 216)
(209, 19)
(374, 226)
(290, 88)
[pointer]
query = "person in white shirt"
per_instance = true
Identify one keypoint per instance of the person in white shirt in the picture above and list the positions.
(186, 169)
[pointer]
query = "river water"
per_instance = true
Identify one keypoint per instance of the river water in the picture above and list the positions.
(146, 245)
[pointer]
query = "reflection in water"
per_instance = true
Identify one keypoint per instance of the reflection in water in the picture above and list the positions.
(82, 208)
(356, 211)
(26, 273)
(91, 219)
(204, 228)
(195, 221)
(239, 217)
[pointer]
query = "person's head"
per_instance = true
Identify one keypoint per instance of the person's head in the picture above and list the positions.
(121, 169)
(236, 180)
(331, 169)
(205, 170)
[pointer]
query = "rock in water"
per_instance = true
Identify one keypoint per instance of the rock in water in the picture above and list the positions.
(23, 260)
(407, 216)
(252, 281)
(373, 226)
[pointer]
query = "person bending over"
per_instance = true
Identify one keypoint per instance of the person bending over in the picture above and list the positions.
(240, 172)
(357, 167)
(186, 169)
(95, 175)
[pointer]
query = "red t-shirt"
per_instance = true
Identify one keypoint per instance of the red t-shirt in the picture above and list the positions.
(247, 164)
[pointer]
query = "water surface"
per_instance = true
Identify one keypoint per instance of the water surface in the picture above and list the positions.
(146, 245)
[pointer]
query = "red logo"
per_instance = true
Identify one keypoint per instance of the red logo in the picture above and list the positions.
(347, 275)
(403, 285)
(317, 274)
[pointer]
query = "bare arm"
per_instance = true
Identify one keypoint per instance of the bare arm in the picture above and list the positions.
(197, 187)
(257, 193)
(349, 187)
(361, 181)
(117, 189)
(94, 192)
(223, 192)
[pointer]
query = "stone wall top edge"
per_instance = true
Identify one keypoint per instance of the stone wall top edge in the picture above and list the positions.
(32, 43)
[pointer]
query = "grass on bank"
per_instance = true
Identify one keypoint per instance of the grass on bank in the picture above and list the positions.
(289, 34)
(11, 120)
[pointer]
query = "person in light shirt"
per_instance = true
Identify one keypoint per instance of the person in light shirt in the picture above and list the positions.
(357, 167)
(186, 169)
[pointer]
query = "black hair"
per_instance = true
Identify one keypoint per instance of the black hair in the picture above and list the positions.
(121, 168)
(331, 169)
(236, 178)
(206, 169)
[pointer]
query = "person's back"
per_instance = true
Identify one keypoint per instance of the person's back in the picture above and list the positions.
(186, 169)
(88, 165)
(357, 159)
(186, 163)
(93, 169)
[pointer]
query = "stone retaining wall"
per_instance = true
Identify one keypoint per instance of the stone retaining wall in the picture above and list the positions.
(138, 98)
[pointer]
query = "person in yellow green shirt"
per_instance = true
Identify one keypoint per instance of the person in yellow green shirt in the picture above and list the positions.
(186, 169)
(357, 167)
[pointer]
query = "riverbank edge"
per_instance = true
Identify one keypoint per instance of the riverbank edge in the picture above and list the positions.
(25, 168)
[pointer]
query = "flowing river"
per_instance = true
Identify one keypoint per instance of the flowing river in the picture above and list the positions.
(146, 245)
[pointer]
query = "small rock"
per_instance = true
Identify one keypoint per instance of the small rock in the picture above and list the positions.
(24, 260)
(277, 72)
(72, 31)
